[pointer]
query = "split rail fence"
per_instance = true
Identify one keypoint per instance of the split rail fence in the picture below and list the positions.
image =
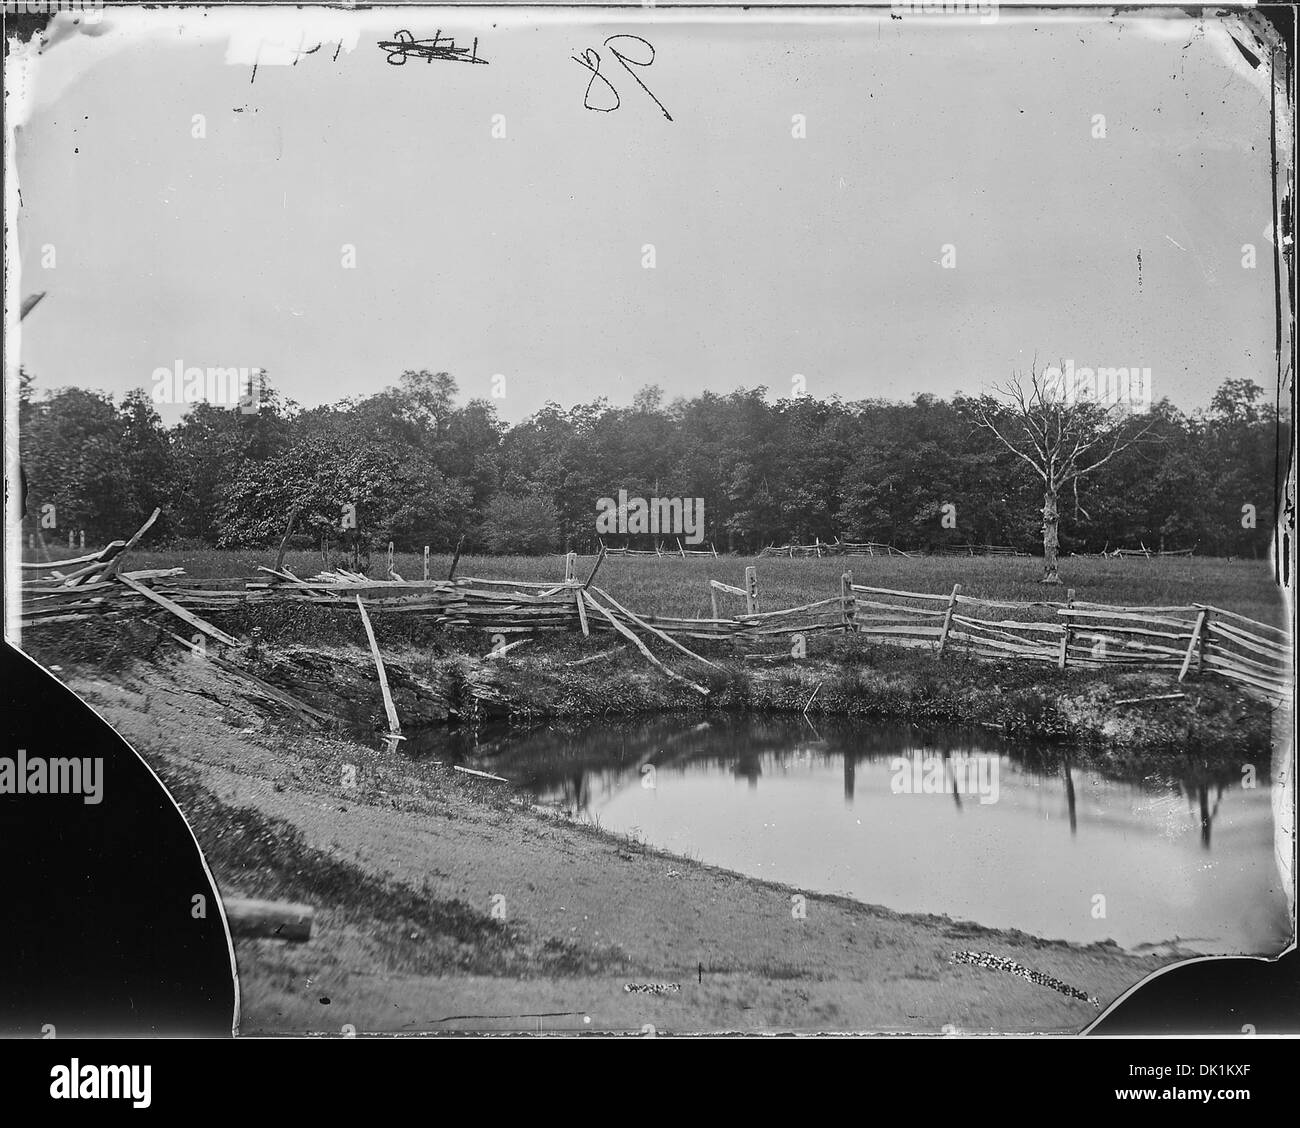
(1195, 638)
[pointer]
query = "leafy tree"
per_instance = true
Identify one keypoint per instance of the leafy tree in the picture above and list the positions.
(520, 524)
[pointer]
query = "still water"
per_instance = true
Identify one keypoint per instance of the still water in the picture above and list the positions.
(928, 821)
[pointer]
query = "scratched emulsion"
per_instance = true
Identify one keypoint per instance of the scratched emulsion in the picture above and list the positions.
(999, 963)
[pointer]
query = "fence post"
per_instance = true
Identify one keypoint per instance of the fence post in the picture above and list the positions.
(69, 538)
(715, 549)
(426, 561)
(680, 548)
(570, 567)
(1192, 646)
(848, 601)
(713, 598)
(947, 619)
(751, 590)
(1065, 638)
(83, 538)
(390, 558)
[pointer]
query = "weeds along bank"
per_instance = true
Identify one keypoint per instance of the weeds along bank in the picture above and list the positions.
(316, 656)
(320, 657)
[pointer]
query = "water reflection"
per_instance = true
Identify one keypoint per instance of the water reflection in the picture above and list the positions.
(923, 820)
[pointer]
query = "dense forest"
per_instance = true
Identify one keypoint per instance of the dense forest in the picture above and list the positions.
(412, 465)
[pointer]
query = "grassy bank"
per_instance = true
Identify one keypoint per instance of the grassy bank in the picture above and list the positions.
(320, 655)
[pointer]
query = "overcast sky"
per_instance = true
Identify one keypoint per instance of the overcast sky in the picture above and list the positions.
(523, 255)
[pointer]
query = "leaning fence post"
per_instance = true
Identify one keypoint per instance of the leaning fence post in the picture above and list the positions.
(751, 590)
(680, 548)
(390, 559)
(947, 619)
(1065, 636)
(570, 578)
(1192, 646)
(848, 601)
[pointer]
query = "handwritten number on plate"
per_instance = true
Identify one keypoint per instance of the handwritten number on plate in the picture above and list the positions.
(591, 60)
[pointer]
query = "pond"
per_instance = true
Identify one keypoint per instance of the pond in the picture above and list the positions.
(922, 821)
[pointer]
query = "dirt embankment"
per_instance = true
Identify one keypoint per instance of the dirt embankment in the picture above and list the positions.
(445, 902)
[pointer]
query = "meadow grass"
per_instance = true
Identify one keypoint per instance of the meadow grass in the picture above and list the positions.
(676, 587)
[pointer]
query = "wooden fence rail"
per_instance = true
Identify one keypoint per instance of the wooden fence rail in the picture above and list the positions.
(1198, 638)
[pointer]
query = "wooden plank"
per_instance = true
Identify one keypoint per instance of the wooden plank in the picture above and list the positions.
(904, 594)
(289, 577)
(1191, 646)
(595, 567)
(1235, 661)
(641, 646)
(179, 611)
(394, 725)
(1144, 700)
(786, 611)
(654, 630)
(496, 652)
(480, 775)
(48, 565)
(1249, 641)
(582, 614)
(718, 585)
(899, 609)
(1253, 622)
(1077, 613)
(1138, 610)
(120, 557)
(1279, 692)
(273, 920)
(288, 532)
(594, 657)
(1017, 647)
(1064, 655)
(947, 619)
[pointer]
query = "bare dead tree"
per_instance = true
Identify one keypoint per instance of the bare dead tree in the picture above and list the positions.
(1063, 434)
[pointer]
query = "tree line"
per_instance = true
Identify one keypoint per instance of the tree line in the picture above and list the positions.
(412, 465)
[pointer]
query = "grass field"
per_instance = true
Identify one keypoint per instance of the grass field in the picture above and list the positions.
(672, 586)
